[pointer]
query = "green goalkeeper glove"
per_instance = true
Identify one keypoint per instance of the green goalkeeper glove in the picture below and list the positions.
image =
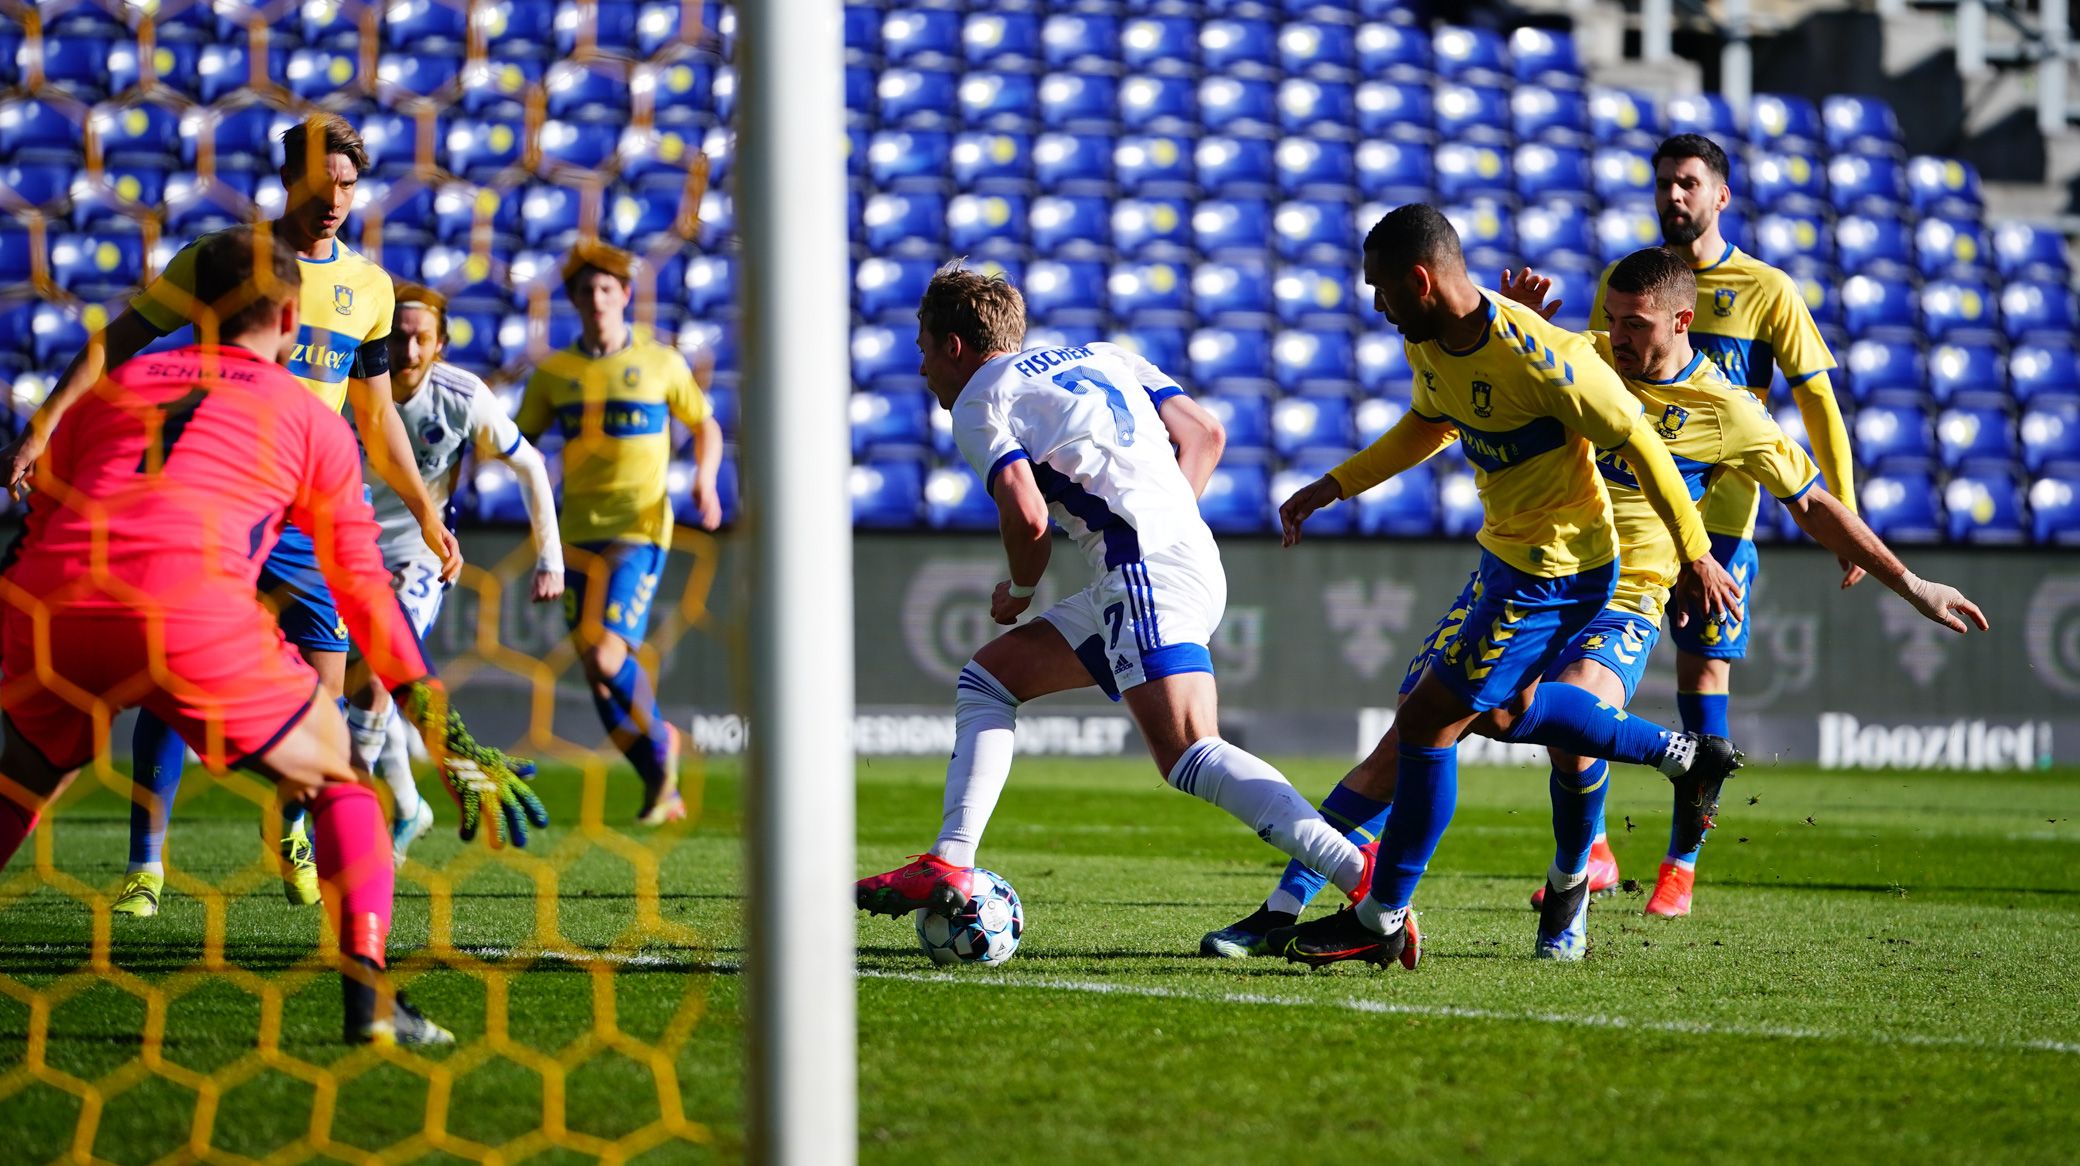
(474, 774)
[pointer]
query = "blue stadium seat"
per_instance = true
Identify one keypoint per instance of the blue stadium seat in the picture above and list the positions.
(1318, 49)
(1621, 230)
(2050, 436)
(1070, 226)
(1156, 164)
(581, 145)
(1782, 239)
(899, 157)
(1238, 48)
(1574, 279)
(913, 223)
(1227, 360)
(1544, 171)
(891, 423)
(1892, 434)
(610, 25)
(1976, 435)
(1395, 172)
(577, 92)
(1873, 243)
(225, 70)
(1892, 365)
(2042, 370)
(1373, 416)
(929, 37)
(1791, 183)
(1073, 163)
(926, 97)
(2022, 251)
(1162, 347)
(1236, 167)
(1474, 113)
(1383, 368)
(11, 48)
(489, 88)
(1779, 121)
(1068, 101)
(1330, 521)
(888, 494)
(984, 161)
(403, 76)
(1397, 110)
(1317, 108)
(1487, 232)
(1473, 55)
(1967, 371)
(423, 24)
(97, 266)
(171, 62)
(2032, 310)
(1870, 304)
(1313, 166)
(16, 257)
(1542, 56)
(862, 93)
(1159, 42)
(1705, 113)
(1559, 116)
(1951, 246)
(2054, 505)
(1404, 506)
(1622, 175)
(1902, 507)
(58, 333)
(1080, 40)
(1467, 170)
(1555, 228)
(480, 150)
(1324, 365)
(147, 133)
(1951, 306)
(1945, 186)
(1620, 117)
(1232, 293)
(1314, 295)
(862, 34)
(1985, 508)
(473, 340)
(955, 500)
(459, 206)
(37, 131)
(1861, 124)
(312, 74)
(711, 285)
(392, 141)
(38, 183)
(1865, 183)
(1150, 294)
(1158, 102)
(641, 220)
(1231, 227)
(1397, 52)
(1231, 104)
(880, 352)
(1304, 229)
(1238, 500)
(986, 223)
(76, 65)
(1063, 293)
(1001, 40)
(1459, 509)
(117, 198)
(1247, 420)
(515, 28)
(1153, 228)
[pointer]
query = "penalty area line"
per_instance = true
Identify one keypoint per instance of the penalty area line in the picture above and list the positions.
(1456, 1012)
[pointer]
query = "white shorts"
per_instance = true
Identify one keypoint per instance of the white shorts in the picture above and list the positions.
(419, 591)
(1147, 620)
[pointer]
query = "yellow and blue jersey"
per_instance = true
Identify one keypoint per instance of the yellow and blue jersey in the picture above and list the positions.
(1531, 403)
(614, 413)
(343, 316)
(1710, 426)
(1751, 319)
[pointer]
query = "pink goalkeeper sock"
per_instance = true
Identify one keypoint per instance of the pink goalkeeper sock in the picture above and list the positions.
(355, 866)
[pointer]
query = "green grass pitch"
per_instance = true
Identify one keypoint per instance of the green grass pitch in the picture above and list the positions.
(1880, 966)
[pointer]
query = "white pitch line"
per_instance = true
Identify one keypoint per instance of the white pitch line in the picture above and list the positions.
(1455, 1012)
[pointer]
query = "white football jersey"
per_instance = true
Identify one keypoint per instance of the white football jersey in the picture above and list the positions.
(1086, 417)
(451, 410)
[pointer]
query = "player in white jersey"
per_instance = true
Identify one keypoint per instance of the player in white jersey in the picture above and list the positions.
(1084, 435)
(446, 411)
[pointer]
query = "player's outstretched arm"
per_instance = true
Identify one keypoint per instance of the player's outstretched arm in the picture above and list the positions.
(707, 472)
(1829, 435)
(538, 495)
(124, 338)
(1703, 583)
(1413, 440)
(1022, 521)
(390, 456)
(1199, 436)
(1837, 528)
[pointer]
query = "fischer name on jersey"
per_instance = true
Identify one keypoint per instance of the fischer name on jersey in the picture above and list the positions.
(1087, 418)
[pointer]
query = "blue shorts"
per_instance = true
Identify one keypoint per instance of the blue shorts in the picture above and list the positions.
(1619, 640)
(629, 572)
(293, 585)
(1447, 627)
(1515, 626)
(1724, 639)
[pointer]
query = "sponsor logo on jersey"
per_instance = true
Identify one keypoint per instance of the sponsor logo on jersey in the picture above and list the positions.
(1722, 301)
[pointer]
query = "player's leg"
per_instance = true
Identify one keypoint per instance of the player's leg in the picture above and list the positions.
(157, 757)
(608, 589)
(1579, 785)
(29, 781)
(1023, 664)
(292, 583)
(377, 731)
(1705, 652)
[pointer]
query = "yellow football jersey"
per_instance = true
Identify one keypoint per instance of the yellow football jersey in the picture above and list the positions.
(1528, 400)
(1709, 426)
(614, 414)
(343, 316)
(1750, 317)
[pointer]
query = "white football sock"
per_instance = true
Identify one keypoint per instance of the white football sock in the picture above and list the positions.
(157, 868)
(365, 729)
(1564, 880)
(985, 731)
(396, 766)
(1379, 918)
(1248, 787)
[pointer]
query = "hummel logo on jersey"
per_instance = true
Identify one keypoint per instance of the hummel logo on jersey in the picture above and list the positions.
(1722, 302)
(1483, 399)
(1671, 422)
(1120, 667)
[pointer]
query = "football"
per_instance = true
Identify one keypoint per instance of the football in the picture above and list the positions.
(984, 930)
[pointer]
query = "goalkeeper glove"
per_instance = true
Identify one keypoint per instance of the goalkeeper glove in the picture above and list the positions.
(477, 776)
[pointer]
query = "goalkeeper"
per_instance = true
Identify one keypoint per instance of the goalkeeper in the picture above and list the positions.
(132, 584)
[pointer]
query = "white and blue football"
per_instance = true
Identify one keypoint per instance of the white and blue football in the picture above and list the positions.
(984, 930)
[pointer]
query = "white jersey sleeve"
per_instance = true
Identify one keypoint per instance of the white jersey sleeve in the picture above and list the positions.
(494, 432)
(441, 421)
(1086, 417)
